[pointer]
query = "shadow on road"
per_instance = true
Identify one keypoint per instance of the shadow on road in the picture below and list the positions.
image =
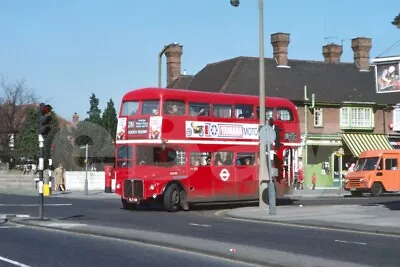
(215, 205)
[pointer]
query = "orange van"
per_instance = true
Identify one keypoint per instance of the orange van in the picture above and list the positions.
(376, 171)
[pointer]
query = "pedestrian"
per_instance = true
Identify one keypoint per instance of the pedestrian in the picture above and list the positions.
(313, 181)
(59, 178)
(300, 179)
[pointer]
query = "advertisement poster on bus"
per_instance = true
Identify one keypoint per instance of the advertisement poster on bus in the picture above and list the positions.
(138, 126)
(155, 127)
(201, 129)
(387, 77)
(121, 129)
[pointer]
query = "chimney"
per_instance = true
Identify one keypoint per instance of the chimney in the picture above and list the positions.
(173, 54)
(361, 47)
(75, 119)
(280, 42)
(332, 53)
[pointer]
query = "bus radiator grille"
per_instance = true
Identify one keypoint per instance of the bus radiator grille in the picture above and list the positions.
(133, 188)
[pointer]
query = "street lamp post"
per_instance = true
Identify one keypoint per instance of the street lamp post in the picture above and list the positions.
(263, 171)
(160, 59)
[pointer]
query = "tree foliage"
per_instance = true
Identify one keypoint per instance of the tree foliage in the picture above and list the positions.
(27, 143)
(396, 21)
(94, 110)
(14, 100)
(110, 119)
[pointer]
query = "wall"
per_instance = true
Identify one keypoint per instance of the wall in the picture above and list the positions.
(75, 180)
(331, 118)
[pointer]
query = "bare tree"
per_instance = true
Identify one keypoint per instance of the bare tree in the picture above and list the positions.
(15, 98)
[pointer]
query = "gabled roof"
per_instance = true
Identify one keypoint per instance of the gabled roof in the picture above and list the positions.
(331, 83)
(181, 82)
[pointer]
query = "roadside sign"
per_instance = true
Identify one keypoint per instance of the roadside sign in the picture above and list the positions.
(267, 134)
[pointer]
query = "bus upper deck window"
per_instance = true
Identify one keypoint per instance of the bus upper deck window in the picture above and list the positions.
(174, 107)
(244, 111)
(199, 109)
(150, 107)
(129, 108)
(222, 111)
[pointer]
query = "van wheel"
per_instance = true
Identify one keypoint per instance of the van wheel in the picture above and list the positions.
(377, 190)
(172, 198)
(128, 206)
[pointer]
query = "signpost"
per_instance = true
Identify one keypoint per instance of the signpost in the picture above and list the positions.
(268, 136)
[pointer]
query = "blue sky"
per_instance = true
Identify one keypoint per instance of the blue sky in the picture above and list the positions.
(67, 50)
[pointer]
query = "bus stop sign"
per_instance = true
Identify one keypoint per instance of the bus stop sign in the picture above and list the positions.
(267, 134)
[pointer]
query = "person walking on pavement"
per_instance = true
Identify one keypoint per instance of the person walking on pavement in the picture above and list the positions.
(59, 178)
(313, 181)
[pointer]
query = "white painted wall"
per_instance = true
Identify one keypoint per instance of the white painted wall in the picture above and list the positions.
(75, 180)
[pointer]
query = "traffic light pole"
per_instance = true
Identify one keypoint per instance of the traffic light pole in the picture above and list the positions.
(86, 170)
(41, 167)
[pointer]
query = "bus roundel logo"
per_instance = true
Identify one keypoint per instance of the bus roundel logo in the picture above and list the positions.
(224, 175)
(214, 130)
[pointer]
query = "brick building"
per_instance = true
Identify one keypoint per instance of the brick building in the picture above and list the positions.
(348, 115)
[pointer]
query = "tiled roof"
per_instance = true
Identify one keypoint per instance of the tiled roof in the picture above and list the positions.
(331, 83)
(181, 82)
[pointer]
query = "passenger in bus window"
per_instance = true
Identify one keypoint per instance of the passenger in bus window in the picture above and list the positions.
(155, 112)
(173, 109)
(196, 162)
(202, 112)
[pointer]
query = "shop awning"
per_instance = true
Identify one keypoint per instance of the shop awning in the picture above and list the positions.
(358, 143)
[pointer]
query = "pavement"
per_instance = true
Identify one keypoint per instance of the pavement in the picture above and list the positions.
(371, 218)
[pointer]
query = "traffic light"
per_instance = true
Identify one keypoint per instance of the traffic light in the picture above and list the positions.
(45, 119)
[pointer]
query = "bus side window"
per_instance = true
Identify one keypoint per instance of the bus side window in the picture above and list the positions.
(222, 111)
(174, 107)
(244, 111)
(199, 109)
(223, 158)
(246, 159)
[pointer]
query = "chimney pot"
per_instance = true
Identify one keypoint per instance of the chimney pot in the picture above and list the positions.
(361, 47)
(173, 53)
(332, 53)
(75, 119)
(280, 42)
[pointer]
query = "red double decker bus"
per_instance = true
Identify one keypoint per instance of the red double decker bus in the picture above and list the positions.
(181, 147)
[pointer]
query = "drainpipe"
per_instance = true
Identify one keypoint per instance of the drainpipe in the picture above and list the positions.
(305, 149)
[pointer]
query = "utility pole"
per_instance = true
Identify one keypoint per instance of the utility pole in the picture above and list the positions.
(86, 168)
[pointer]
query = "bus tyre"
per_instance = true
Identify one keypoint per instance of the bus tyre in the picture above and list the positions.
(128, 206)
(377, 190)
(172, 198)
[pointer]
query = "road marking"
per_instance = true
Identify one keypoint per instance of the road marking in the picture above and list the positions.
(7, 216)
(32, 205)
(351, 242)
(200, 225)
(64, 225)
(15, 263)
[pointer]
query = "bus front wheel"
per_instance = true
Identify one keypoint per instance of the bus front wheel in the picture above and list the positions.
(172, 198)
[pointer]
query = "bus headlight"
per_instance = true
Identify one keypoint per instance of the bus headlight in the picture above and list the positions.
(151, 187)
(118, 186)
